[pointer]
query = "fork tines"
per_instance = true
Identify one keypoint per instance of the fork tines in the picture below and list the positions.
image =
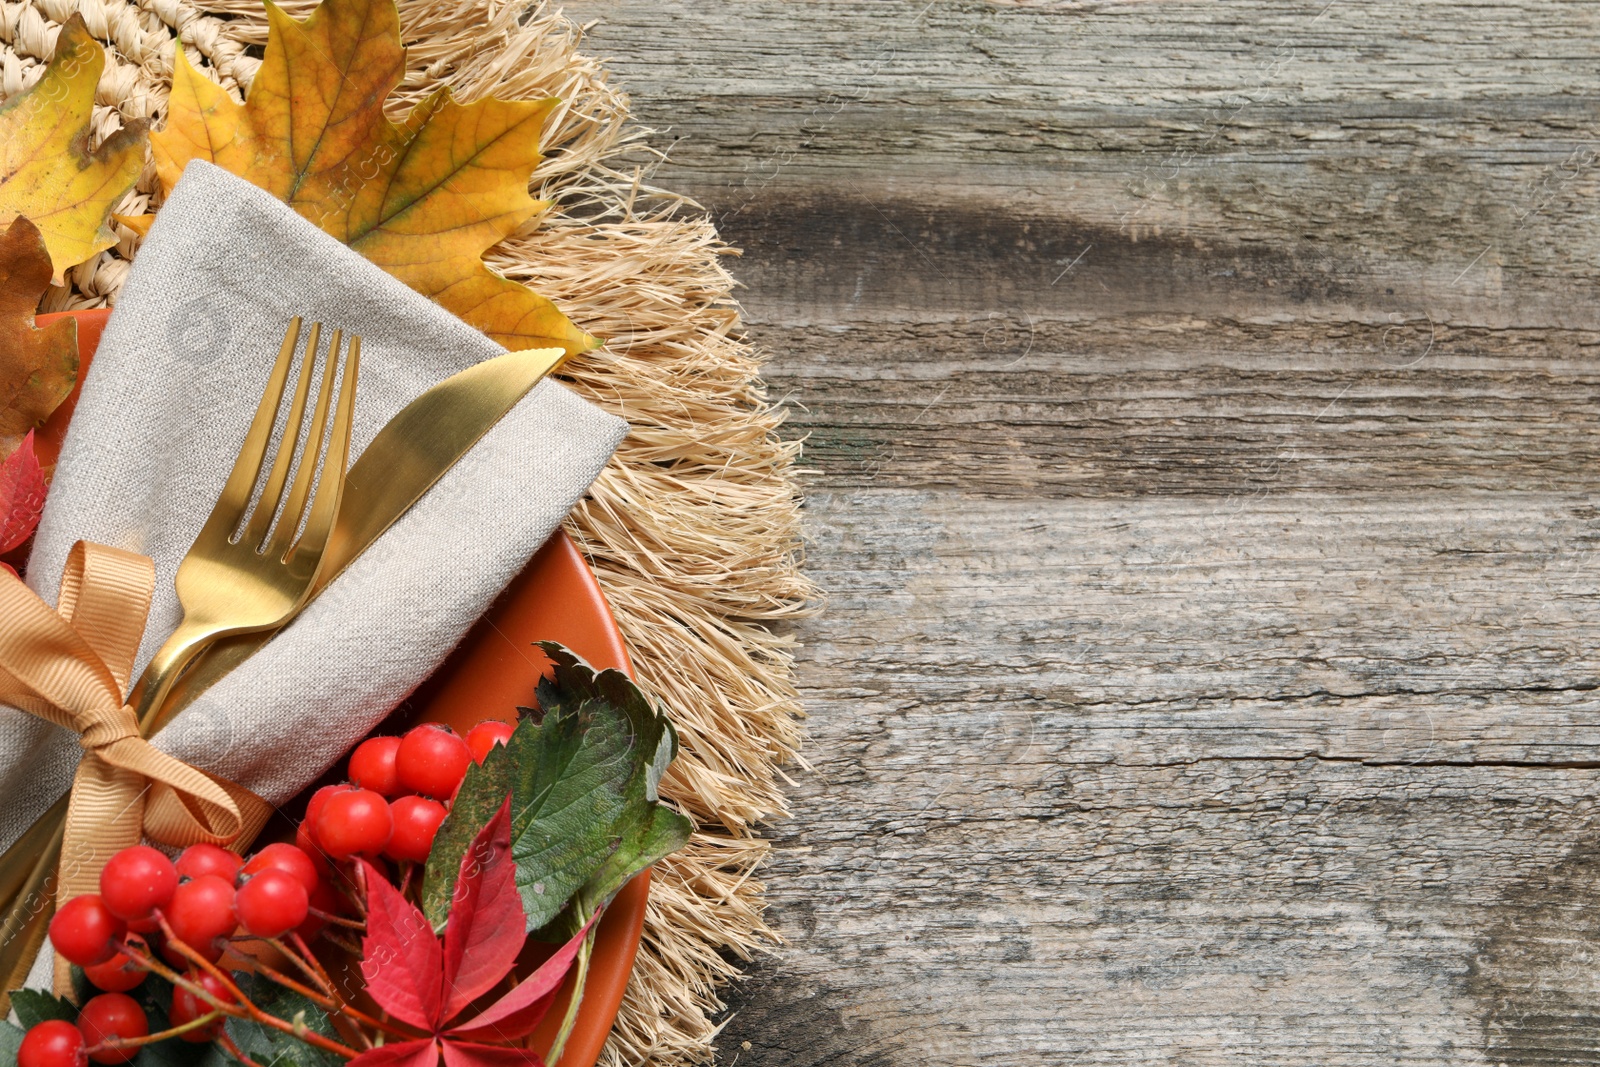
(311, 502)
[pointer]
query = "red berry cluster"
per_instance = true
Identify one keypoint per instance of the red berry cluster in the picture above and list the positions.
(399, 792)
(146, 901)
(398, 795)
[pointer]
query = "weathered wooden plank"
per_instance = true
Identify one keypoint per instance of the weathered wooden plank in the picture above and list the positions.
(1277, 627)
(1401, 140)
(1138, 406)
(1203, 401)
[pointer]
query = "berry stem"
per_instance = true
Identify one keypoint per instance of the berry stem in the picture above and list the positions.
(333, 1003)
(150, 1039)
(337, 920)
(323, 977)
(343, 944)
(361, 887)
(405, 876)
(325, 980)
(136, 953)
(304, 963)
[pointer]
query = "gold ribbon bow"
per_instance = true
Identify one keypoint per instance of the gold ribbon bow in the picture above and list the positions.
(71, 666)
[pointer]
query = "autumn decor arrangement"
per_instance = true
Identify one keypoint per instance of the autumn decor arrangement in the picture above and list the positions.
(400, 870)
(478, 784)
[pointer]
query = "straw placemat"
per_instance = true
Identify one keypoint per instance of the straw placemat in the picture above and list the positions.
(693, 529)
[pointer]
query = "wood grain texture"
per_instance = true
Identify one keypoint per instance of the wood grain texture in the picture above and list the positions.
(1203, 403)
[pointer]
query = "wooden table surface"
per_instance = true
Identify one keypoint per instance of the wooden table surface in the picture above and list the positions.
(1203, 402)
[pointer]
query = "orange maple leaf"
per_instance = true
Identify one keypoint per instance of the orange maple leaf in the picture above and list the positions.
(37, 367)
(47, 171)
(423, 200)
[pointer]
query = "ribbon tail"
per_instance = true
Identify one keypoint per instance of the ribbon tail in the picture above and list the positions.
(104, 817)
(186, 806)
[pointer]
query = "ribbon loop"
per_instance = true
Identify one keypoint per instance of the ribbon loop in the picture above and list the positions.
(70, 666)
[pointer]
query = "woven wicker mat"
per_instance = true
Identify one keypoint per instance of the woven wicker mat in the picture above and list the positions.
(692, 529)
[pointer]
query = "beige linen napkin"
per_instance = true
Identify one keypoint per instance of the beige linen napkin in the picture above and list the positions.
(164, 408)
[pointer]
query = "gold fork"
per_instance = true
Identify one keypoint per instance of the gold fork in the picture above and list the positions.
(234, 582)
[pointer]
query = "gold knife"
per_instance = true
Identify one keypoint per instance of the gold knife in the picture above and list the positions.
(404, 460)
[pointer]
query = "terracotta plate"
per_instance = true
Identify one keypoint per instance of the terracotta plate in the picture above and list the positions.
(491, 674)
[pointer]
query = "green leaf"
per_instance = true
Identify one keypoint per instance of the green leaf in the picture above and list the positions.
(655, 834)
(274, 1048)
(574, 684)
(585, 815)
(34, 1007)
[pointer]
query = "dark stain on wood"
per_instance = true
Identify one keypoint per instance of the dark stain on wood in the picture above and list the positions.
(1535, 972)
(848, 254)
(775, 1020)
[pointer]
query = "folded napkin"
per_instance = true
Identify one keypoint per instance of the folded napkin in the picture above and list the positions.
(164, 407)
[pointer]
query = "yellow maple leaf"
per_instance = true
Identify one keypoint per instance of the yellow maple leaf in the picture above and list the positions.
(47, 171)
(423, 199)
(37, 366)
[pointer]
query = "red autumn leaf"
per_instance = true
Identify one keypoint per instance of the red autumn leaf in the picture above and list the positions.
(518, 1013)
(422, 1053)
(514, 1026)
(462, 1054)
(485, 930)
(419, 982)
(22, 489)
(400, 957)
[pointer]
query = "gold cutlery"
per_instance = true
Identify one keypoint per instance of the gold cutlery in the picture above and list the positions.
(249, 570)
(407, 456)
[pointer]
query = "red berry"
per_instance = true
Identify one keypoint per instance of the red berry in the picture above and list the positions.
(416, 820)
(354, 820)
(187, 1006)
(137, 881)
(318, 799)
(271, 903)
(116, 975)
(108, 1017)
(201, 914)
(84, 930)
(197, 860)
(372, 765)
(305, 839)
(432, 761)
(290, 859)
(487, 734)
(53, 1043)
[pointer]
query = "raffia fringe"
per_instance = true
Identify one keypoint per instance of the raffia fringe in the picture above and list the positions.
(693, 530)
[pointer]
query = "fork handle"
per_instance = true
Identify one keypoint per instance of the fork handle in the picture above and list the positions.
(179, 650)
